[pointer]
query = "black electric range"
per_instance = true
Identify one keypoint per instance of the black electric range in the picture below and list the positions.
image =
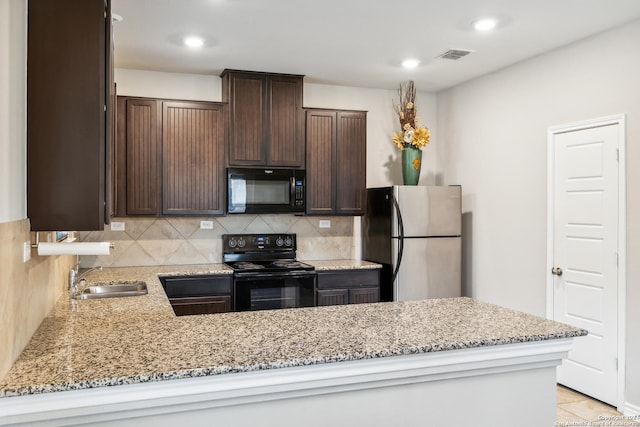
(266, 274)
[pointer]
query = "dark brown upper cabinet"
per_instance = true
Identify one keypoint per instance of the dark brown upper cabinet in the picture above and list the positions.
(193, 158)
(69, 78)
(141, 145)
(336, 162)
(169, 157)
(266, 120)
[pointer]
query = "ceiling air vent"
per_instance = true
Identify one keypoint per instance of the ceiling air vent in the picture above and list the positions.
(455, 54)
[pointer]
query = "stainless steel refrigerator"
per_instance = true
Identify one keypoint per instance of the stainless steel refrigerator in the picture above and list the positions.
(415, 233)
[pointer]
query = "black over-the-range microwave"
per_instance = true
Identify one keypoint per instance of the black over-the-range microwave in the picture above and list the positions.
(262, 190)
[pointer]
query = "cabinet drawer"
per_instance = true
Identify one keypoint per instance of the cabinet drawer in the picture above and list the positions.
(348, 278)
(197, 286)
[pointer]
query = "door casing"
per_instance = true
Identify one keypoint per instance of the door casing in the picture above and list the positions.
(622, 229)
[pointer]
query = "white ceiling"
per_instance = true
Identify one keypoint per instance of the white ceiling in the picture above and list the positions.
(354, 42)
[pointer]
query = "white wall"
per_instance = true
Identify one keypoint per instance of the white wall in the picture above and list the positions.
(493, 139)
(383, 158)
(13, 58)
(154, 84)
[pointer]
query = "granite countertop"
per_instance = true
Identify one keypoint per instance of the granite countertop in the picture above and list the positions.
(96, 343)
(343, 264)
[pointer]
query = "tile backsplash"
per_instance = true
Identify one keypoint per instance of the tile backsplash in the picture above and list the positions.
(180, 240)
(28, 290)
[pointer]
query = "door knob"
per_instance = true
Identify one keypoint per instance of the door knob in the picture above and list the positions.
(557, 271)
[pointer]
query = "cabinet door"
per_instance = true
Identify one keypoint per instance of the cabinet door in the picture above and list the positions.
(332, 297)
(364, 295)
(245, 93)
(110, 129)
(351, 158)
(286, 141)
(336, 162)
(201, 305)
(321, 145)
(66, 113)
(193, 150)
(119, 154)
(144, 151)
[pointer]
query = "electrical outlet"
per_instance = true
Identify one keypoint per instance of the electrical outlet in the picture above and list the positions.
(324, 223)
(117, 226)
(26, 251)
(206, 225)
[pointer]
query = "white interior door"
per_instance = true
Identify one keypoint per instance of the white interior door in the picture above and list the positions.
(585, 246)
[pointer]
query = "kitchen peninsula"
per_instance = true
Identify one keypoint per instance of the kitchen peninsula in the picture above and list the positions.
(131, 361)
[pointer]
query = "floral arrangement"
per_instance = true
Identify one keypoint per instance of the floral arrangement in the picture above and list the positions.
(411, 135)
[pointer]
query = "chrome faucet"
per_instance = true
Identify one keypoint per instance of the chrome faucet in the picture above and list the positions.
(74, 278)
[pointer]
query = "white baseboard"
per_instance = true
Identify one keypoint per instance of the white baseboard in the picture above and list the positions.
(631, 410)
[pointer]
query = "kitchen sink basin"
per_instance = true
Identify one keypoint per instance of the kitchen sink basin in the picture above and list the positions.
(112, 290)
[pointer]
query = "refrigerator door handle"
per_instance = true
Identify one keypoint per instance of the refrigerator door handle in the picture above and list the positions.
(400, 239)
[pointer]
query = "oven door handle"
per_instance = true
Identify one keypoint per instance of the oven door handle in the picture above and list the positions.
(267, 276)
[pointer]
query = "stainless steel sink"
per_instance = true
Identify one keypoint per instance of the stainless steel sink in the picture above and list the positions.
(112, 290)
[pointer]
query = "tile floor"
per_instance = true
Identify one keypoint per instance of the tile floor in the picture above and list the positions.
(575, 409)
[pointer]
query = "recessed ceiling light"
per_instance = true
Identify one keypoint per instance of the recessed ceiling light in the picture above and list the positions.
(485, 24)
(410, 63)
(193, 41)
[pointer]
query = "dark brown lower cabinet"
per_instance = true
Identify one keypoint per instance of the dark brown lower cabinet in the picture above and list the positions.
(364, 295)
(348, 296)
(169, 157)
(199, 294)
(201, 305)
(348, 287)
(332, 297)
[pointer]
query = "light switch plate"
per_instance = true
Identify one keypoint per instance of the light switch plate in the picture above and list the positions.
(206, 225)
(26, 251)
(325, 223)
(117, 226)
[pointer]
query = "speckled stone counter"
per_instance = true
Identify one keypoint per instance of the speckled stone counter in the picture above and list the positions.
(97, 343)
(343, 264)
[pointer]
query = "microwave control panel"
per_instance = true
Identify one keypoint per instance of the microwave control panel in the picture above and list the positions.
(299, 192)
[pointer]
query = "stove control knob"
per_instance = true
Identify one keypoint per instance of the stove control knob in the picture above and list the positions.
(287, 241)
(241, 243)
(232, 243)
(279, 241)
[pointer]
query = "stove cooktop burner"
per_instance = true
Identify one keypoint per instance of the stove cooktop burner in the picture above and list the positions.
(246, 265)
(276, 265)
(288, 263)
